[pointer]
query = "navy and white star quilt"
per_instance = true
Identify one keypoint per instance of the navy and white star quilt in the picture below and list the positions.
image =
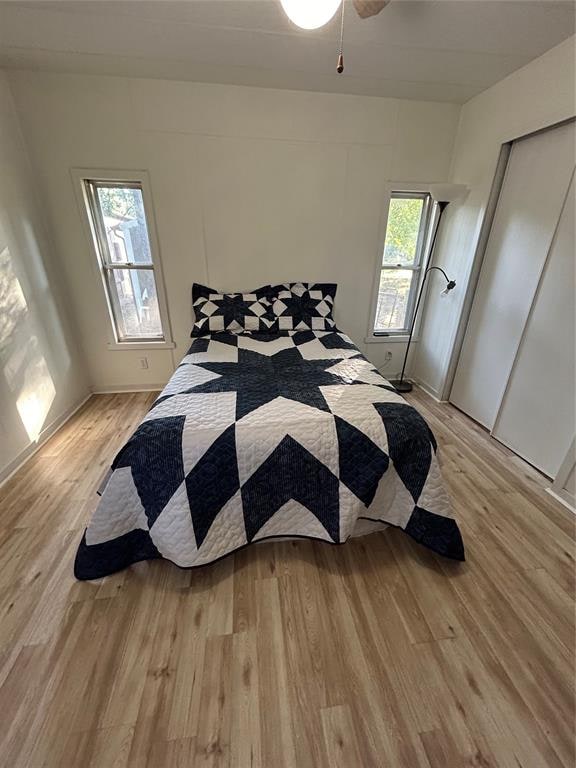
(265, 435)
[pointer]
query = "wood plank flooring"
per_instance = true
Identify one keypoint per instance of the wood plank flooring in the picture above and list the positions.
(373, 654)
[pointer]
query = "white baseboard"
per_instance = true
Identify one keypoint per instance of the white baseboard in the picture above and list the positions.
(567, 500)
(417, 383)
(120, 389)
(13, 466)
(429, 391)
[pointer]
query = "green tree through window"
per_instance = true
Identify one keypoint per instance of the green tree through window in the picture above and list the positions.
(401, 261)
(402, 231)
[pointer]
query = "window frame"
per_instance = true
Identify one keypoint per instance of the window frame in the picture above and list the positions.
(86, 182)
(398, 191)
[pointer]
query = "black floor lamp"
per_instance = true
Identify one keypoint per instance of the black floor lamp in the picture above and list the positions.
(443, 195)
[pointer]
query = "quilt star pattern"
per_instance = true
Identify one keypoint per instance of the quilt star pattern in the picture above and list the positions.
(235, 312)
(265, 435)
(302, 306)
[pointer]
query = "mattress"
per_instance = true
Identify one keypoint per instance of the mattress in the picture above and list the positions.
(264, 435)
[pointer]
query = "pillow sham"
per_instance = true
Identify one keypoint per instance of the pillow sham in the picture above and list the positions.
(232, 312)
(303, 306)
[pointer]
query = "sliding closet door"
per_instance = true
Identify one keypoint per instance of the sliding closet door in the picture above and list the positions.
(537, 415)
(533, 193)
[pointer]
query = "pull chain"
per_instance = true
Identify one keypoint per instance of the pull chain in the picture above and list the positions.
(340, 64)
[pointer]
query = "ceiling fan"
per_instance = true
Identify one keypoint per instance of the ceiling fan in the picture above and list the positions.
(366, 8)
(311, 14)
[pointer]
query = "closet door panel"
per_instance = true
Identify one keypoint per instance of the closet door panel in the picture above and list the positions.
(533, 192)
(537, 415)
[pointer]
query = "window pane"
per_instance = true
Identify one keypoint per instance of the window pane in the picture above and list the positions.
(125, 225)
(402, 230)
(393, 295)
(136, 303)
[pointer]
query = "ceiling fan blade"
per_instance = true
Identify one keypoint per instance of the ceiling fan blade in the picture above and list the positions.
(367, 8)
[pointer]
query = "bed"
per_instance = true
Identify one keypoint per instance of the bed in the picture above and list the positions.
(268, 433)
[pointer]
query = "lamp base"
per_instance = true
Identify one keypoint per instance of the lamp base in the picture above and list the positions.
(401, 385)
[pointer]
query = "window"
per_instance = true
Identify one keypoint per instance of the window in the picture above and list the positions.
(402, 262)
(121, 235)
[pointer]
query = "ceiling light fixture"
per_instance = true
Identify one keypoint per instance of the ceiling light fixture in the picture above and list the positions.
(310, 14)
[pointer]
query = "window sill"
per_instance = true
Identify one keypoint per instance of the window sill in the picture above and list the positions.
(392, 339)
(126, 346)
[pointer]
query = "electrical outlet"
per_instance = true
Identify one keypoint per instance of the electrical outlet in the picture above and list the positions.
(143, 363)
(388, 356)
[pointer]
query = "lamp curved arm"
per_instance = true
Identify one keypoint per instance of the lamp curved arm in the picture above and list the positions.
(429, 269)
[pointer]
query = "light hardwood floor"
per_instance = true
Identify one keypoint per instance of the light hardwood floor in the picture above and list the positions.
(373, 654)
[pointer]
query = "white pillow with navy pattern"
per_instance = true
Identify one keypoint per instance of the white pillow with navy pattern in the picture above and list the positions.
(231, 312)
(303, 306)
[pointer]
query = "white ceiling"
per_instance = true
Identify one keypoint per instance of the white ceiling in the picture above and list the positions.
(441, 50)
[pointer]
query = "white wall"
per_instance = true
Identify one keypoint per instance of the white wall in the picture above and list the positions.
(250, 185)
(41, 374)
(538, 95)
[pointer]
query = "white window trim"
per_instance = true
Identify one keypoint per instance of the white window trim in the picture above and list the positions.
(390, 187)
(79, 176)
